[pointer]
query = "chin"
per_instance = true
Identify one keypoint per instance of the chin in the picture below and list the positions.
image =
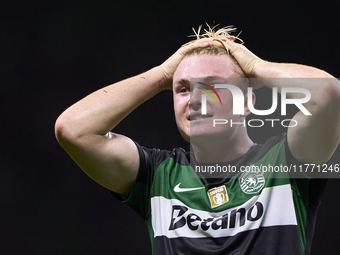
(200, 138)
(203, 137)
(185, 134)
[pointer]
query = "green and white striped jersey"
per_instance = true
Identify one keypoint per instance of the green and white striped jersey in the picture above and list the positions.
(244, 213)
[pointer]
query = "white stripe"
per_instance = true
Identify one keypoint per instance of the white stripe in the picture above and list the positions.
(277, 204)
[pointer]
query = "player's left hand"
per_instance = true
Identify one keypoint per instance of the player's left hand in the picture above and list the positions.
(247, 60)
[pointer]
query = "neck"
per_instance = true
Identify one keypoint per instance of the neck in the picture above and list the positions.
(222, 149)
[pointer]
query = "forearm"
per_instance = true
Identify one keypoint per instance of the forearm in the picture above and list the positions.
(323, 87)
(254, 67)
(101, 111)
(113, 160)
(265, 69)
(316, 136)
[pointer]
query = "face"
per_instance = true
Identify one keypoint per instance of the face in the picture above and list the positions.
(210, 70)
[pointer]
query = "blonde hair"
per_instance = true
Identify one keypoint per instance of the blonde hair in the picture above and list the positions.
(219, 35)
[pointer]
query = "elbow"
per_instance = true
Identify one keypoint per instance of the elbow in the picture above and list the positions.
(335, 87)
(65, 130)
(328, 95)
(333, 93)
(60, 129)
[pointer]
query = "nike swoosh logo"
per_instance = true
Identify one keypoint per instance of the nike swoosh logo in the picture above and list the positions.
(178, 189)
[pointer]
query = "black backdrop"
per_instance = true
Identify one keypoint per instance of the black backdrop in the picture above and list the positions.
(53, 53)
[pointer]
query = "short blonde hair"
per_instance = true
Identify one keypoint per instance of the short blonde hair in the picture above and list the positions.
(218, 35)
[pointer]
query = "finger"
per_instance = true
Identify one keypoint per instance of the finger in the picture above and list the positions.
(221, 43)
(231, 44)
(230, 38)
(201, 43)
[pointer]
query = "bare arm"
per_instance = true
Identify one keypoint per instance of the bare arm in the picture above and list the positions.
(316, 136)
(83, 130)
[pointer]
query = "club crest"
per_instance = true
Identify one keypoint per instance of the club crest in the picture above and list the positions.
(251, 182)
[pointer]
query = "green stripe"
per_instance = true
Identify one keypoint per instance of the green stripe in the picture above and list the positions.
(170, 173)
(301, 208)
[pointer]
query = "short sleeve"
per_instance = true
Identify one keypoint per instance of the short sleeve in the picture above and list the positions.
(310, 189)
(149, 160)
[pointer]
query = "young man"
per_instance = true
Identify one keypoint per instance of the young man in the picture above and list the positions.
(239, 212)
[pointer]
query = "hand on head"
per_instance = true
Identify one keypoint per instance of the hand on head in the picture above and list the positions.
(222, 39)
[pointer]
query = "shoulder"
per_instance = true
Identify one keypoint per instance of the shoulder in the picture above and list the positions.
(162, 154)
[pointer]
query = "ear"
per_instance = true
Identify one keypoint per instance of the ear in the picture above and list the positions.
(246, 108)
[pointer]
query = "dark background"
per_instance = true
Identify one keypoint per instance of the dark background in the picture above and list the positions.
(53, 53)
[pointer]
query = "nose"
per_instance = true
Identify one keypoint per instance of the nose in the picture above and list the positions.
(195, 101)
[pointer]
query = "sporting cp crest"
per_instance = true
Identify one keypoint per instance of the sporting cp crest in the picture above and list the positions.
(218, 196)
(251, 182)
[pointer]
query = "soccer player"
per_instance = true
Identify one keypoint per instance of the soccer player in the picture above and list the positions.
(242, 212)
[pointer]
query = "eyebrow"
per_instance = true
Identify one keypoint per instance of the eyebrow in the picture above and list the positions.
(180, 82)
(213, 77)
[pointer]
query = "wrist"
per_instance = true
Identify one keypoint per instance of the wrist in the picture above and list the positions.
(259, 68)
(166, 80)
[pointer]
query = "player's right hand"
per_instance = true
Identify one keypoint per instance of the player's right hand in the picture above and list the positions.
(170, 65)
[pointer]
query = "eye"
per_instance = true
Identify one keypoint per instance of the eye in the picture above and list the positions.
(183, 90)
